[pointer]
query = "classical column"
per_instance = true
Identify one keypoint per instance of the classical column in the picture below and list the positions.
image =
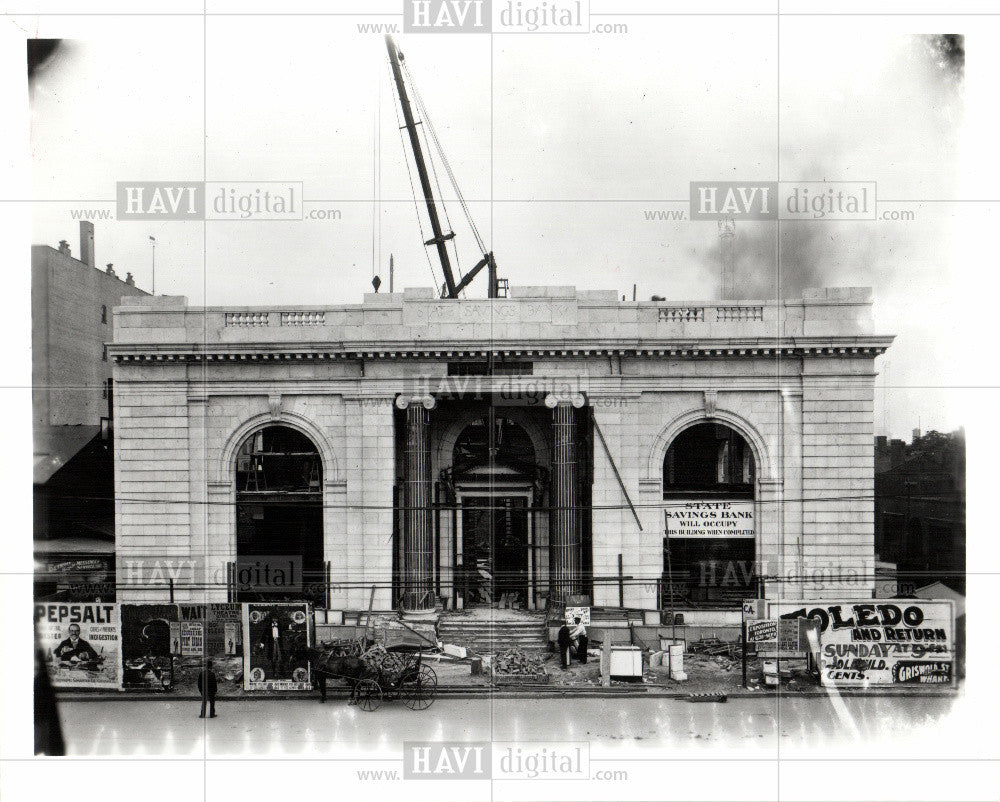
(418, 534)
(565, 559)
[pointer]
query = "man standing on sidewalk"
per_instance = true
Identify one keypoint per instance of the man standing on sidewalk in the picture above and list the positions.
(207, 687)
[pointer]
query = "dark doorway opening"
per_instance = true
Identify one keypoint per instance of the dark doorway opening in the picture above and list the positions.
(495, 548)
(279, 518)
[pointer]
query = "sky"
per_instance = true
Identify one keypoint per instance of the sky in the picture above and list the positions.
(561, 144)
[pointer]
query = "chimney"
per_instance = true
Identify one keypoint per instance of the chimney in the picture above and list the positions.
(129, 280)
(111, 269)
(64, 247)
(87, 243)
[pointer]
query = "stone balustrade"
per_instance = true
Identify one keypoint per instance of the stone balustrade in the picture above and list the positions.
(247, 318)
(531, 318)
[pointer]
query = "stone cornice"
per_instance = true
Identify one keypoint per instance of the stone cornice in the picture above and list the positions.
(857, 346)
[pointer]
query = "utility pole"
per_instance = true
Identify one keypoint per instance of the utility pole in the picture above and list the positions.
(440, 239)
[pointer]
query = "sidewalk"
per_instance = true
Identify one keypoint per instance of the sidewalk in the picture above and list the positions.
(706, 675)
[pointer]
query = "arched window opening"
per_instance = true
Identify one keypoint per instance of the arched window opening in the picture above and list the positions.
(709, 479)
(709, 458)
(279, 517)
(507, 448)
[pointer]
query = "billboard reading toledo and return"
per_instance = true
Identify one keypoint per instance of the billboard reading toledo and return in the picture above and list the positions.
(896, 642)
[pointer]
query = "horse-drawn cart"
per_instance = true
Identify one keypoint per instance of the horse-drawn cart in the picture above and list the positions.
(378, 673)
(400, 674)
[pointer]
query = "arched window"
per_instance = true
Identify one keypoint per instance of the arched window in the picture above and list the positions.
(709, 475)
(507, 447)
(709, 458)
(279, 516)
(278, 459)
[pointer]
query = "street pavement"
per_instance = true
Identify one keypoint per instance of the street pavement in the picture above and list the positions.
(306, 728)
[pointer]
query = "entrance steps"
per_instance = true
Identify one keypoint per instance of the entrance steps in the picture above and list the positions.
(483, 635)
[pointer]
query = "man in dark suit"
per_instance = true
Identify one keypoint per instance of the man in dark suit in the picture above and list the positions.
(75, 649)
(572, 641)
(207, 687)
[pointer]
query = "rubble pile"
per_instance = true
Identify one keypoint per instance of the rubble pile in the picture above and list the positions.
(712, 646)
(343, 647)
(515, 663)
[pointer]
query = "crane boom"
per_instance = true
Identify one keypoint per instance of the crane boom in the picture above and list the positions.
(440, 238)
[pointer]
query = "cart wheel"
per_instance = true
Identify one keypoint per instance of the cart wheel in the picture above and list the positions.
(369, 695)
(418, 692)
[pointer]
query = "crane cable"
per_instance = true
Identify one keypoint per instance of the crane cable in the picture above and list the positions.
(444, 159)
(425, 123)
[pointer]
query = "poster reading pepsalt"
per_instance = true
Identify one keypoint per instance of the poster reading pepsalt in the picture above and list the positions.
(81, 644)
(275, 647)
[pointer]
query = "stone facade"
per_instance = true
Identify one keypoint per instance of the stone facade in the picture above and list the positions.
(793, 378)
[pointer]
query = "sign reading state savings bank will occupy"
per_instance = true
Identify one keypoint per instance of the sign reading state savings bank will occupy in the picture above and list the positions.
(710, 519)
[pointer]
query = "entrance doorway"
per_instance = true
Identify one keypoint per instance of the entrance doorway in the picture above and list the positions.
(279, 518)
(495, 546)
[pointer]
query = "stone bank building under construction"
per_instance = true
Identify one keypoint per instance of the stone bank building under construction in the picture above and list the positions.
(418, 453)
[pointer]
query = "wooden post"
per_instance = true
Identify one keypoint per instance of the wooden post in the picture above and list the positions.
(744, 653)
(670, 575)
(621, 583)
(606, 660)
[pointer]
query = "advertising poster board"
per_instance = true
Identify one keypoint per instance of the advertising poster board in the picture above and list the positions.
(881, 642)
(275, 647)
(764, 631)
(150, 639)
(80, 579)
(210, 632)
(81, 643)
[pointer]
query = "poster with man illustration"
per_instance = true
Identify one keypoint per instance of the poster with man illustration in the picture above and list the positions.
(81, 644)
(275, 647)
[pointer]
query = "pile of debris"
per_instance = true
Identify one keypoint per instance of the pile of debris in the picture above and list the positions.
(713, 647)
(343, 647)
(513, 665)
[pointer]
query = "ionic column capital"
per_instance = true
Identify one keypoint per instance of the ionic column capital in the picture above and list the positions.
(427, 401)
(552, 400)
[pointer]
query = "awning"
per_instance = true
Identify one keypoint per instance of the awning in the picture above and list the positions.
(57, 445)
(76, 545)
